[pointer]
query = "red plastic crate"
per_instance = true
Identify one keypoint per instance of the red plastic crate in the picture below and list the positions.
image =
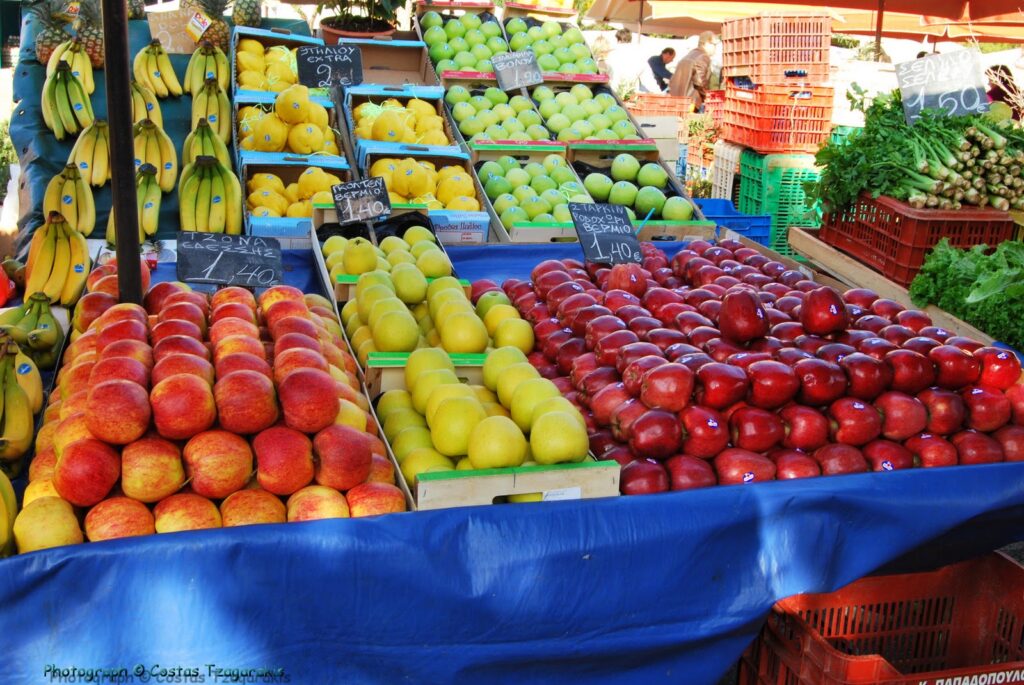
(772, 119)
(714, 104)
(966, 619)
(892, 237)
(778, 48)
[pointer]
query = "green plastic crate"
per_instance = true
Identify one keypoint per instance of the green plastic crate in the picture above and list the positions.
(774, 185)
(840, 134)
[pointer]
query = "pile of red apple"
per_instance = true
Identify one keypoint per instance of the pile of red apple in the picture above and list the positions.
(196, 412)
(724, 366)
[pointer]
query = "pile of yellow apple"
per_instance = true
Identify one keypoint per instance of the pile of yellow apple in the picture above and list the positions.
(293, 124)
(420, 182)
(439, 424)
(269, 196)
(392, 121)
(261, 68)
(418, 247)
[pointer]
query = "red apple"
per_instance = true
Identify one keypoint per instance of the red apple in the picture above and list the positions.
(965, 344)
(821, 382)
(823, 312)
(977, 448)
(868, 377)
(655, 434)
(742, 317)
(854, 422)
(790, 464)
(721, 385)
(643, 477)
(805, 428)
(1011, 439)
(688, 473)
(601, 327)
(772, 384)
(946, 410)
(988, 409)
(932, 450)
(861, 297)
(902, 415)
(912, 371)
(735, 466)
(756, 429)
(606, 400)
(834, 352)
(836, 459)
(632, 375)
(920, 344)
(954, 367)
(1000, 368)
(877, 348)
(607, 348)
(570, 350)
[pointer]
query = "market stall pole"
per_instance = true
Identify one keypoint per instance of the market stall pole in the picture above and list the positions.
(122, 162)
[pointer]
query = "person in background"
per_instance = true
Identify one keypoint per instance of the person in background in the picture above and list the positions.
(693, 73)
(659, 68)
(627, 67)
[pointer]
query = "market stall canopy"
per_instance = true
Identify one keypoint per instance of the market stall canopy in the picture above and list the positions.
(915, 27)
(682, 18)
(960, 11)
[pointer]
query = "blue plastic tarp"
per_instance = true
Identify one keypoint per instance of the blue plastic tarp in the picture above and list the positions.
(668, 588)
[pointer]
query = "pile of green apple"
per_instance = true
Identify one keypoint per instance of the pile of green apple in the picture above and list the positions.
(638, 188)
(464, 43)
(494, 116)
(565, 53)
(578, 114)
(535, 192)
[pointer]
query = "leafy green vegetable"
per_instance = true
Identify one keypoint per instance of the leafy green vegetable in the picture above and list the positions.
(985, 290)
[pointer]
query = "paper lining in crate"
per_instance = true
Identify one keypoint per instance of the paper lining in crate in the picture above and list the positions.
(463, 226)
(252, 107)
(396, 128)
(268, 38)
(389, 61)
(289, 169)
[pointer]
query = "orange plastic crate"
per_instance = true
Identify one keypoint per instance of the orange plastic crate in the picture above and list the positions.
(966, 619)
(772, 119)
(714, 104)
(893, 238)
(657, 105)
(778, 48)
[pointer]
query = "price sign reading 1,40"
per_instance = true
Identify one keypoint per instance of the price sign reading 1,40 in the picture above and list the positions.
(361, 200)
(606, 234)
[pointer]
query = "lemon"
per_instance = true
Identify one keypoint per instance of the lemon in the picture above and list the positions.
(270, 134)
(300, 210)
(265, 181)
(254, 80)
(463, 204)
(389, 128)
(454, 186)
(433, 138)
(278, 54)
(421, 107)
(292, 104)
(265, 212)
(363, 111)
(359, 257)
(247, 143)
(250, 61)
(291, 191)
(249, 45)
(312, 181)
(410, 179)
(432, 123)
(321, 197)
(279, 74)
(276, 86)
(331, 148)
(268, 198)
(447, 171)
(318, 115)
(397, 199)
(334, 245)
(383, 166)
(305, 139)
(364, 131)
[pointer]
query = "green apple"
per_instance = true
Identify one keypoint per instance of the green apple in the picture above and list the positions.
(519, 42)
(592, 108)
(549, 108)
(480, 103)
(446, 65)
(523, 193)
(571, 188)
(548, 63)
(491, 29)
(581, 92)
(585, 199)
(513, 125)
(606, 100)
(598, 185)
(537, 132)
(569, 134)
(508, 162)
(553, 197)
(488, 117)
(454, 28)
(471, 21)
(431, 20)
(605, 134)
(534, 206)
(495, 132)
(573, 35)
(542, 47)
(561, 214)
(480, 52)
(625, 168)
(529, 117)
(623, 193)
(542, 183)
(475, 37)
(435, 35)
(574, 113)
(440, 51)
(489, 170)
(516, 25)
(553, 161)
(464, 60)
(518, 177)
(624, 129)
(584, 127)
(503, 202)
(569, 68)
(566, 98)
(630, 213)
(551, 28)
(520, 136)
(558, 123)
(471, 126)
(564, 56)
(562, 175)
(503, 112)
(647, 199)
(457, 94)
(558, 42)
(544, 218)
(535, 169)
(513, 215)
(462, 111)
(579, 51)
(520, 104)
(484, 66)
(652, 174)
(496, 95)
(599, 121)
(497, 186)
(459, 44)
(496, 45)
(587, 65)
(616, 113)
(488, 300)
(677, 209)
(542, 93)
(536, 33)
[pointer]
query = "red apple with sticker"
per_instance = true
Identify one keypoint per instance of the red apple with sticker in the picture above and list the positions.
(736, 466)
(932, 451)
(1000, 368)
(912, 372)
(954, 368)
(821, 382)
(903, 415)
(946, 410)
(886, 455)
(837, 459)
(689, 473)
(805, 428)
(791, 464)
(643, 477)
(720, 385)
(757, 430)
(854, 421)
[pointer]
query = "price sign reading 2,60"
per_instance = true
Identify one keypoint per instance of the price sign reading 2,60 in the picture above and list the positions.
(953, 82)
(606, 233)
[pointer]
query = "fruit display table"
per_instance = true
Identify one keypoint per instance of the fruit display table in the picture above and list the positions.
(609, 590)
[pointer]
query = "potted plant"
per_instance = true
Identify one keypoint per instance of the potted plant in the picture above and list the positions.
(357, 19)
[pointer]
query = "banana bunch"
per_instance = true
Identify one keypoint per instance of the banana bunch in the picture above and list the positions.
(18, 427)
(91, 155)
(58, 263)
(68, 194)
(148, 196)
(72, 52)
(8, 512)
(208, 61)
(66, 106)
(211, 103)
(152, 68)
(145, 105)
(203, 140)
(210, 198)
(43, 340)
(153, 146)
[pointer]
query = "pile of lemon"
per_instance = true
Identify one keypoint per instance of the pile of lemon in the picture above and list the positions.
(417, 247)
(420, 182)
(392, 121)
(268, 69)
(270, 196)
(294, 124)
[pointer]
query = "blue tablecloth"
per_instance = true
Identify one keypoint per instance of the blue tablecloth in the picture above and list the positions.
(666, 588)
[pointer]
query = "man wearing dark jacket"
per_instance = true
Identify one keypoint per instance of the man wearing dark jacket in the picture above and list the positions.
(693, 73)
(659, 67)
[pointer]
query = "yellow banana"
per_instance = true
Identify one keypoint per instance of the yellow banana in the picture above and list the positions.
(17, 420)
(30, 381)
(139, 139)
(186, 149)
(46, 105)
(186, 173)
(62, 101)
(111, 235)
(192, 69)
(200, 104)
(155, 77)
(80, 65)
(69, 200)
(83, 151)
(218, 200)
(221, 119)
(140, 70)
(233, 199)
(223, 68)
(167, 75)
(101, 154)
(78, 271)
(148, 106)
(56, 56)
(81, 106)
(86, 204)
(187, 198)
(203, 200)
(61, 264)
(39, 272)
(149, 194)
(11, 508)
(152, 148)
(34, 246)
(168, 169)
(52, 196)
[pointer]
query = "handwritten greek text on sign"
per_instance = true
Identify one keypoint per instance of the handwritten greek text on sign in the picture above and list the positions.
(516, 69)
(953, 82)
(361, 200)
(606, 234)
(323, 66)
(229, 259)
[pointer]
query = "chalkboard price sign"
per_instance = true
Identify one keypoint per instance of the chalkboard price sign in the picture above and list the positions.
(953, 82)
(606, 234)
(243, 260)
(323, 66)
(516, 69)
(361, 200)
